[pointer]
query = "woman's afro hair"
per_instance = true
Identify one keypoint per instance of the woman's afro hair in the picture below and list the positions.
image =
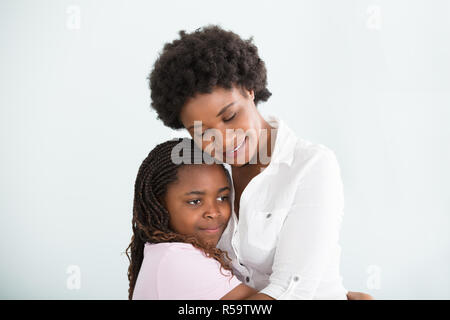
(200, 61)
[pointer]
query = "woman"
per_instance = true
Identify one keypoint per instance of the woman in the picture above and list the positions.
(288, 194)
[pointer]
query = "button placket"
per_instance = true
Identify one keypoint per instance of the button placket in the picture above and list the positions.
(239, 265)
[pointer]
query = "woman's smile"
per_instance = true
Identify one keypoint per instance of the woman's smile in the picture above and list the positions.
(238, 150)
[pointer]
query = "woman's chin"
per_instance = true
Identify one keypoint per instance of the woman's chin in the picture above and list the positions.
(241, 161)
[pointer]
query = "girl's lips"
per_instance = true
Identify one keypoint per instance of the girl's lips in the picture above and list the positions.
(212, 230)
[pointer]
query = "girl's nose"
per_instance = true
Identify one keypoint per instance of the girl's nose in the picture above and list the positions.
(212, 212)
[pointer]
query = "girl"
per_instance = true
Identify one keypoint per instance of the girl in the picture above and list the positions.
(283, 235)
(179, 214)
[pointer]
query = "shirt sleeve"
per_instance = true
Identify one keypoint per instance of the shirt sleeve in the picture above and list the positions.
(187, 274)
(310, 232)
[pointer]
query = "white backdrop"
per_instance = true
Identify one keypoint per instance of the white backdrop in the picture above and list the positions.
(368, 79)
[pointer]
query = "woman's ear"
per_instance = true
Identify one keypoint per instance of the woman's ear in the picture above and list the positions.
(247, 93)
(252, 94)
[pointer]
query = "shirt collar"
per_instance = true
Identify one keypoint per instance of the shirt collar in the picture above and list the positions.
(285, 141)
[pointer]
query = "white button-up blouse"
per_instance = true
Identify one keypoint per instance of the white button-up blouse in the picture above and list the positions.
(285, 242)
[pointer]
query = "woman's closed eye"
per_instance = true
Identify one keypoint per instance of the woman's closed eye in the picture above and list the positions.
(230, 118)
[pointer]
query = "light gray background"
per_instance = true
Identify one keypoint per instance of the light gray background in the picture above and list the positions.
(368, 79)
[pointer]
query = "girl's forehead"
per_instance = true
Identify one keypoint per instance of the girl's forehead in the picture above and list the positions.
(197, 175)
(195, 171)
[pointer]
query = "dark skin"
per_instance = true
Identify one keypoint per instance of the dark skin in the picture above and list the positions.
(199, 204)
(243, 115)
(234, 109)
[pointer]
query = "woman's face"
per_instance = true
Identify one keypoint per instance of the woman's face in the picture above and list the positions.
(231, 115)
(199, 202)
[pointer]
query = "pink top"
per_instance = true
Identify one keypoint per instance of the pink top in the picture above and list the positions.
(179, 271)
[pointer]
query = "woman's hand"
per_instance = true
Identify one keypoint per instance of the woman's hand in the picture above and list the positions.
(359, 296)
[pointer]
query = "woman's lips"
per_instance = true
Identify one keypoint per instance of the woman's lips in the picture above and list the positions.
(235, 151)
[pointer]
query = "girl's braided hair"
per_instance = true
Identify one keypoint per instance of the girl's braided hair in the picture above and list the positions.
(150, 221)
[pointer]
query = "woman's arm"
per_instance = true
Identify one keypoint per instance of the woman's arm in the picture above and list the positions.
(359, 296)
(244, 292)
(350, 296)
(241, 292)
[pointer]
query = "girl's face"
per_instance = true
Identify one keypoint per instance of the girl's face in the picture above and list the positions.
(223, 110)
(199, 202)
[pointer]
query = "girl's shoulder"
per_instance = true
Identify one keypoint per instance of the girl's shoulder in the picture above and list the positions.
(180, 257)
(164, 246)
(166, 251)
(181, 271)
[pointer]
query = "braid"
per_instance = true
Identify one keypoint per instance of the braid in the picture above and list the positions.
(150, 221)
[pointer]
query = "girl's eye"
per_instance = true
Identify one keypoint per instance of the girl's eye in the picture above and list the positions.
(223, 198)
(194, 202)
(230, 118)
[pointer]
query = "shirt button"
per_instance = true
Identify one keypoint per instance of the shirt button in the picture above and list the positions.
(268, 215)
(247, 279)
(295, 279)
